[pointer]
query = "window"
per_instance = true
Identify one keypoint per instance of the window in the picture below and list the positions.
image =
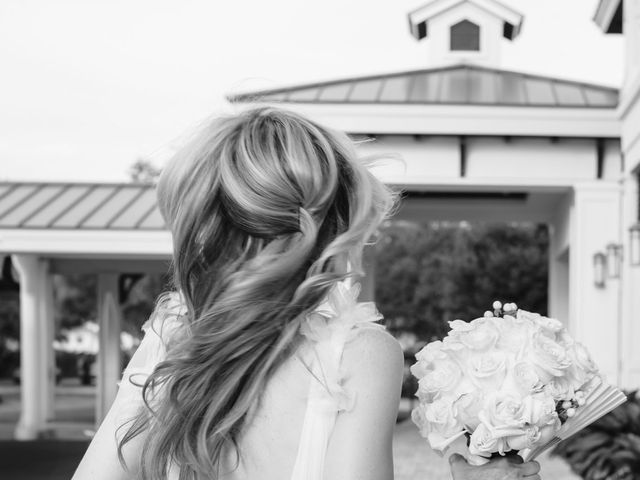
(465, 36)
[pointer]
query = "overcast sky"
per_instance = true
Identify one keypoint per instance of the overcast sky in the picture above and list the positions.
(88, 86)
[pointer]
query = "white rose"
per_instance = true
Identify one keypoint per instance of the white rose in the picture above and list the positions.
(443, 378)
(551, 325)
(560, 388)
(487, 370)
(504, 414)
(451, 344)
(514, 334)
(564, 339)
(527, 439)
(459, 326)
(419, 369)
(583, 369)
(437, 423)
(441, 416)
(426, 358)
(539, 409)
(526, 377)
(549, 357)
(431, 352)
(482, 337)
(484, 443)
(417, 415)
(467, 407)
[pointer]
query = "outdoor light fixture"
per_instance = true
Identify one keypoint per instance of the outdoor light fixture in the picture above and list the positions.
(634, 245)
(599, 269)
(614, 260)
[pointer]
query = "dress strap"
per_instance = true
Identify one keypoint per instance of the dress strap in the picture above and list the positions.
(328, 329)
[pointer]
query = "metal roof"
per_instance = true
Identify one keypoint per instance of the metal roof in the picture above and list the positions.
(84, 206)
(455, 85)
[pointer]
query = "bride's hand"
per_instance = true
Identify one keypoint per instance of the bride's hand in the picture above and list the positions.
(507, 468)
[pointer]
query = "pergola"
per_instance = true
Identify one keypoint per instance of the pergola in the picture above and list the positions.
(102, 229)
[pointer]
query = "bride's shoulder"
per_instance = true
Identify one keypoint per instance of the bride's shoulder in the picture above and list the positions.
(374, 354)
(344, 323)
(372, 357)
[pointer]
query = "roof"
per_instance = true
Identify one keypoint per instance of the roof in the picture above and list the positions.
(609, 16)
(511, 18)
(83, 206)
(453, 85)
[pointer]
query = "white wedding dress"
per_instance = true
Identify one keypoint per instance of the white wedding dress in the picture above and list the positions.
(327, 330)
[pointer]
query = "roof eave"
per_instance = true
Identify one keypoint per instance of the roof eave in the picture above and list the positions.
(87, 243)
(605, 15)
(472, 120)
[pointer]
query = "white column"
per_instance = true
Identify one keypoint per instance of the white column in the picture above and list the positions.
(109, 363)
(594, 313)
(33, 357)
(368, 283)
(559, 237)
(47, 368)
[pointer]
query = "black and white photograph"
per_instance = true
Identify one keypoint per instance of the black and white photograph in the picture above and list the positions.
(320, 240)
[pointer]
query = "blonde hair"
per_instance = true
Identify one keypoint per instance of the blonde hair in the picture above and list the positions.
(265, 208)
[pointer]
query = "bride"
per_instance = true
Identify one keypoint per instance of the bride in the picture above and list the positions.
(264, 366)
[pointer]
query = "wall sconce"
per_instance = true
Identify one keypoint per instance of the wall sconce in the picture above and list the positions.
(599, 269)
(634, 245)
(614, 260)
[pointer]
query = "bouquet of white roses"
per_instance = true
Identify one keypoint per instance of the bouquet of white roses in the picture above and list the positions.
(509, 381)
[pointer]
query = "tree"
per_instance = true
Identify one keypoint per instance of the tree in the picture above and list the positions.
(140, 301)
(429, 274)
(143, 171)
(76, 298)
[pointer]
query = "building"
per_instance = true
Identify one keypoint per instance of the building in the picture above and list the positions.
(623, 17)
(477, 143)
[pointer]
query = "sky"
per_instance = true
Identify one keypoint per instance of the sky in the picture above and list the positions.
(87, 87)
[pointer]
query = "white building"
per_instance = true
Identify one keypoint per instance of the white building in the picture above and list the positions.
(478, 143)
(623, 17)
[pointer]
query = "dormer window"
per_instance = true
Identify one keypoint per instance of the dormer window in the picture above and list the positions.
(453, 29)
(465, 37)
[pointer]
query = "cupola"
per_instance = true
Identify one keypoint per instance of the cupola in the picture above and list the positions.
(464, 31)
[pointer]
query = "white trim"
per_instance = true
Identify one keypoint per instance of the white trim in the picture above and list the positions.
(489, 184)
(433, 9)
(94, 243)
(67, 266)
(604, 13)
(630, 93)
(491, 120)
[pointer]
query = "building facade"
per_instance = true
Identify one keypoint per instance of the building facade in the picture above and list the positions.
(622, 17)
(481, 143)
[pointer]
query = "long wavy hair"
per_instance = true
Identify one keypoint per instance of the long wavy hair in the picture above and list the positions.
(265, 208)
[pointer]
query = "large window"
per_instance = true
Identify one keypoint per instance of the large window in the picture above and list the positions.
(465, 36)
